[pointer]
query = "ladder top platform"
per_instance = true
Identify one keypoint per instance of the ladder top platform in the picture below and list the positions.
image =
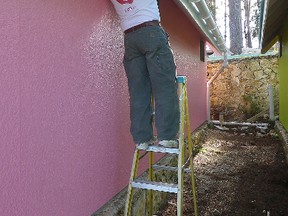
(181, 79)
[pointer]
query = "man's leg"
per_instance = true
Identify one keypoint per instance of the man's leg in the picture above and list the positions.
(140, 99)
(162, 70)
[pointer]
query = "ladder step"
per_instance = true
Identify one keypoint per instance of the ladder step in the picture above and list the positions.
(157, 186)
(169, 168)
(161, 149)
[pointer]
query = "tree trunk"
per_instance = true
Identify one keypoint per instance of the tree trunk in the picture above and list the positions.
(235, 26)
(247, 27)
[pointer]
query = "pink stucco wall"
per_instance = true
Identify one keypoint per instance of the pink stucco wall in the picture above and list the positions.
(64, 108)
(185, 41)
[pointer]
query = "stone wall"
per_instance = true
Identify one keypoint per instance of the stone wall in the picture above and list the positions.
(241, 91)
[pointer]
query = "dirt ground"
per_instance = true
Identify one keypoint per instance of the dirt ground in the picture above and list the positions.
(239, 172)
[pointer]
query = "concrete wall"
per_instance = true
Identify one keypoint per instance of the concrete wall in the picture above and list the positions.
(283, 73)
(64, 107)
(241, 91)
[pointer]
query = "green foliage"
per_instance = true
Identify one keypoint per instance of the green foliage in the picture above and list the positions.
(251, 106)
(212, 6)
(275, 135)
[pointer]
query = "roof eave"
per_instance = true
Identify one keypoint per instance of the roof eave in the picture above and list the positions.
(201, 15)
(273, 12)
(265, 47)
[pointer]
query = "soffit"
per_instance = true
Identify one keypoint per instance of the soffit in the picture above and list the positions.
(277, 11)
(197, 11)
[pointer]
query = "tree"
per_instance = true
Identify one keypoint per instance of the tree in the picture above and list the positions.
(255, 18)
(247, 21)
(212, 6)
(235, 26)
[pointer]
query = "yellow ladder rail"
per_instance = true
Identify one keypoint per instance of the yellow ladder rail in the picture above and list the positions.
(151, 185)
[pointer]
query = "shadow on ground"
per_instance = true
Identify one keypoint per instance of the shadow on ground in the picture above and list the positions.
(238, 173)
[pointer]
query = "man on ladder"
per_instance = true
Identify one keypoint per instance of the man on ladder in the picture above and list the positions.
(150, 68)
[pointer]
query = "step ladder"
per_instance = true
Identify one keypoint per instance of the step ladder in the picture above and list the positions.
(184, 160)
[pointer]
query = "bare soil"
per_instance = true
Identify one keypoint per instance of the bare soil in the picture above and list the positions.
(239, 172)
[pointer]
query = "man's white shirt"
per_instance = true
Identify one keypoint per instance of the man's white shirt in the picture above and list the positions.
(135, 12)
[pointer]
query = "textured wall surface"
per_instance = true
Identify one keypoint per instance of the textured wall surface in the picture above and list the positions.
(64, 107)
(185, 41)
(64, 118)
(241, 91)
(283, 73)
